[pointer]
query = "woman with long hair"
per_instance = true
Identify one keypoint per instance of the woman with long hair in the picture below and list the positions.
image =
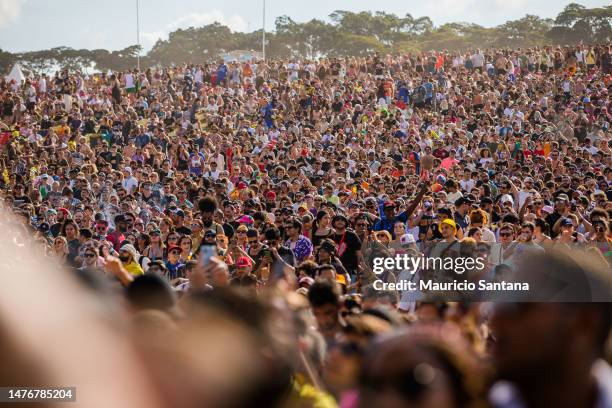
(60, 248)
(399, 230)
(166, 226)
(155, 250)
(320, 228)
(307, 222)
(185, 244)
(142, 242)
(171, 241)
(541, 232)
(70, 230)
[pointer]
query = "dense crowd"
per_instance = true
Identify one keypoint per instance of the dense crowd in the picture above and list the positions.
(299, 173)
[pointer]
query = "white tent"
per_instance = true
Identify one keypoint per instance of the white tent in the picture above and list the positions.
(16, 74)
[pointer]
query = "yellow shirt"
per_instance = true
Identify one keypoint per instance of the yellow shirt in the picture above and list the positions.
(134, 269)
(590, 58)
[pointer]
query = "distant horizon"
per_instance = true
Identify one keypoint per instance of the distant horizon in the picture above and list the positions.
(31, 25)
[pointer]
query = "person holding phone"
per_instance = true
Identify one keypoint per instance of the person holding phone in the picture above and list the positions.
(278, 259)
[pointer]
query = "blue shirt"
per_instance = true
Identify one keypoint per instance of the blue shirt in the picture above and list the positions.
(403, 94)
(267, 112)
(429, 89)
(142, 140)
(174, 270)
(386, 224)
(221, 72)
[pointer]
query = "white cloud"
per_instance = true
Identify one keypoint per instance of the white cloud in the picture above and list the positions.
(9, 11)
(148, 39)
(234, 22)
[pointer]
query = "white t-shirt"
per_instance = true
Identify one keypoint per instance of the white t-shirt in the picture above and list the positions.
(42, 85)
(130, 184)
(467, 185)
(452, 197)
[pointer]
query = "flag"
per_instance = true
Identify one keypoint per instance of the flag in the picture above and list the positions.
(4, 138)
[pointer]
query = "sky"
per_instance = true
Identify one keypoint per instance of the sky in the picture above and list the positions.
(29, 25)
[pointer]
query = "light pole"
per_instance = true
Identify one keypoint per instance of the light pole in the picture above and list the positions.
(263, 35)
(138, 32)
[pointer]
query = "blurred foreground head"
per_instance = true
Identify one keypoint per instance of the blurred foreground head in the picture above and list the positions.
(542, 347)
(55, 332)
(230, 350)
(126, 349)
(428, 365)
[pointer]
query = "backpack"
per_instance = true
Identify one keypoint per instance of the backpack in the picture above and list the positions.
(144, 262)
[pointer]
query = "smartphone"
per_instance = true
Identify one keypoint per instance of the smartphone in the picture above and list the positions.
(207, 252)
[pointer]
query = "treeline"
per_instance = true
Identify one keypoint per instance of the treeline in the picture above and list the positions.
(347, 33)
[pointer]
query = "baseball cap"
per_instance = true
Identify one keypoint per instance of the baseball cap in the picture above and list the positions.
(245, 219)
(389, 204)
(172, 247)
(210, 234)
(548, 209)
(462, 200)
(306, 280)
(505, 198)
(243, 261)
(565, 222)
(563, 196)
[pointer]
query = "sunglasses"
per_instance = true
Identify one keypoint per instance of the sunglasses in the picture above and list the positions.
(253, 241)
(90, 255)
(172, 238)
(175, 252)
(505, 234)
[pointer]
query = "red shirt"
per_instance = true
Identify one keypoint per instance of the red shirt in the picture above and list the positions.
(115, 238)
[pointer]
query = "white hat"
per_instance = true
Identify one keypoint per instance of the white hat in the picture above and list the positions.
(128, 169)
(548, 209)
(506, 198)
(130, 248)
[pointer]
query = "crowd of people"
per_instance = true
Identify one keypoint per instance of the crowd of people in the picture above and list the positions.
(299, 173)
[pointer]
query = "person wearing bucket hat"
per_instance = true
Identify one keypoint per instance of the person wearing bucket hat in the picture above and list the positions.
(448, 229)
